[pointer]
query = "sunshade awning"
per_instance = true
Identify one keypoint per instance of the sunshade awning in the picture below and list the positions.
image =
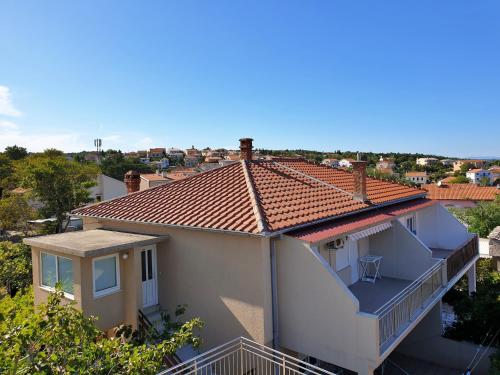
(370, 231)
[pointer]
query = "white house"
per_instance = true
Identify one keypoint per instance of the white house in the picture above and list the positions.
(476, 175)
(107, 188)
(427, 161)
(417, 177)
(346, 163)
(175, 153)
(331, 162)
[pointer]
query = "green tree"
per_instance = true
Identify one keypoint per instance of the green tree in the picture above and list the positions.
(460, 180)
(15, 266)
(15, 211)
(485, 181)
(59, 339)
(60, 184)
(15, 152)
(115, 165)
(6, 171)
(481, 219)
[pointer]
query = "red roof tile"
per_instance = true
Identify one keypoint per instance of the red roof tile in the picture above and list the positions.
(360, 221)
(470, 192)
(280, 193)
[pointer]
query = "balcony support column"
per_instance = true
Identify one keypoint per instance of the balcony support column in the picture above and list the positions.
(471, 279)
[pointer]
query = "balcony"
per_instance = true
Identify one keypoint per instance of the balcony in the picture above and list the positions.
(457, 259)
(243, 356)
(397, 303)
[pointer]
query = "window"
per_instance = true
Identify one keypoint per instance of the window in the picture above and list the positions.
(106, 275)
(56, 269)
(411, 224)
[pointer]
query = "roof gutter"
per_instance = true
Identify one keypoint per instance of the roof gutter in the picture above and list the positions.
(364, 210)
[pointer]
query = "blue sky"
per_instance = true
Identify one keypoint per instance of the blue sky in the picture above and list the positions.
(419, 76)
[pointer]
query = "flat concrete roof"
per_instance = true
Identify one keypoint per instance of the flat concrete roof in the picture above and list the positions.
(90, 243)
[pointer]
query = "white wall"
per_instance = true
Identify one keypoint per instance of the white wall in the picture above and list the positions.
(112, 188)
(108, 188)
(438, 228)
(318, 315)
(405, 257)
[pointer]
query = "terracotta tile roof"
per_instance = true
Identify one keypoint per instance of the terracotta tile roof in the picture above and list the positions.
(416, 174)
(477, 170)
(152, 177)
(360, 221)
(470, 192)
(279, 194)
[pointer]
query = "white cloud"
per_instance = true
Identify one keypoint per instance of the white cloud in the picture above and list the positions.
(6, 106)
(4, 124)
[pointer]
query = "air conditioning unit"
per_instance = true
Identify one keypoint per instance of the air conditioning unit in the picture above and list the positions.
(336, 244)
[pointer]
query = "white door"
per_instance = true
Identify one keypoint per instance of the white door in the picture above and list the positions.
(149, 281)
(353, 260)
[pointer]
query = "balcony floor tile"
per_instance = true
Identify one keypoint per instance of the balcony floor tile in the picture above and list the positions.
(373, 296)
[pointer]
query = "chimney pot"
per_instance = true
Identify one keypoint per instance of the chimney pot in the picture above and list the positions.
(359, 174)
(133, 181)
(246, 149)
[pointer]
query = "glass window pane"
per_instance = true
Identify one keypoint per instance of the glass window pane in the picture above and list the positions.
(150, 264)
(49, 276)
(65, 270)
(105, 273)
(143, 264)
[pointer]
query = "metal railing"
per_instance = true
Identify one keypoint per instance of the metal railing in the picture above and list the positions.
(242, 356)
(395, 315)
(461, 256)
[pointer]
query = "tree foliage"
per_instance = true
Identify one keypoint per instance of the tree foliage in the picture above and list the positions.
(115, 164)
(15, 211)
(477, 315)
(481, 219)
(59, 339)
(15, 152)
(61, 185)
(15, 266)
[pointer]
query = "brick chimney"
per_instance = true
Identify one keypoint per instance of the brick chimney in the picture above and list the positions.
(246, 148)
(133, 181)
(359, 174)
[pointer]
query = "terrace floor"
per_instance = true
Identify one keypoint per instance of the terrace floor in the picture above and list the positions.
(373, 296)
(441, 253)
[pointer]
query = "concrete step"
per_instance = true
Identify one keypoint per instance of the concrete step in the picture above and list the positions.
(151, 309)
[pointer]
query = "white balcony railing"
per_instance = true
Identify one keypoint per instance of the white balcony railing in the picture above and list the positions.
(396, 314)
(242, 356)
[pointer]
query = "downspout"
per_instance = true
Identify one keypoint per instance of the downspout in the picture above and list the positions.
(274, 292)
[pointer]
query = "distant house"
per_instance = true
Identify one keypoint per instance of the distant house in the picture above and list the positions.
(477, 175)
(331, 162)
(419, 178)
(161, 165)
(457, 164)
(447, 162)
(107, 188)
(233, 155)
(385, 163)
(91, 156)
(460, 195)
(149, 180)
(191, 161)
(346, 163)
(427, 161)
(385, 166)
(156, 153)
(194, 152)
(495, 173)
(175, 153)
(181, 173)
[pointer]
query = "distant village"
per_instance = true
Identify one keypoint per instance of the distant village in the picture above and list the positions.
(455, 182)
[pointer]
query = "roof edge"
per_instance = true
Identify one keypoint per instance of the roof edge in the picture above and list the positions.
(257, 209)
